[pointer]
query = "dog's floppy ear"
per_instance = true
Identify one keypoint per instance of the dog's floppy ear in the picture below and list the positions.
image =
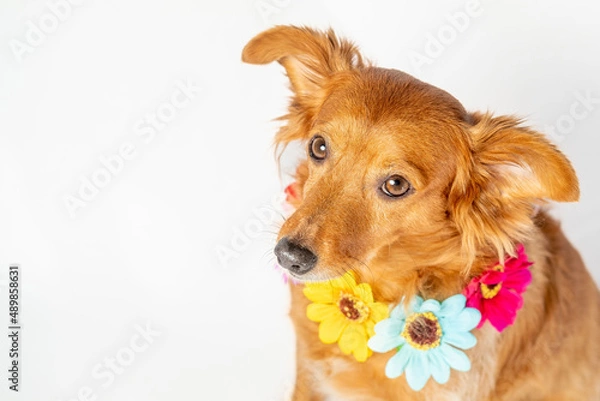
(506, 171)
(309, 56)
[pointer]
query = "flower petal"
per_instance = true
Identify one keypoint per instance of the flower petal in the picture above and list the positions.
(475, 300)
(353, 337)
(484, 315)
(362, 352)
(518, 280)
(346, 283)
(370, 327)
(509, 299)
(464, 340)
(379, 311)
(466, 320)
(520, 261)
(402, 309)
(416, 303)
(502, 309)
(322, 293)
(382, 343)
(363, 291)
(471, 288)
(431, 305)
(492, 277)
(455, 358)
(399, 312)
(501, 319)
(417, 371)
(453, 305)
(438, 366)
(320, 312)
(396, 365)
(331, 329)
(389, 327)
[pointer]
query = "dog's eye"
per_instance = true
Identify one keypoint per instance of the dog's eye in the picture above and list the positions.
(318, 148)
(395, 186)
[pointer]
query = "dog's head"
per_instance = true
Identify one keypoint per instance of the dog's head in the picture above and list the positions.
(396, 169)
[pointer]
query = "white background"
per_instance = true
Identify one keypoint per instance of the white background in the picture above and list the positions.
(144, 250)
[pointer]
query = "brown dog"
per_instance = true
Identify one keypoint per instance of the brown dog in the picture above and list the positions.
(417, 196)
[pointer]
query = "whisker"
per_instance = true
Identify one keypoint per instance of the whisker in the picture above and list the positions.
(268, 252)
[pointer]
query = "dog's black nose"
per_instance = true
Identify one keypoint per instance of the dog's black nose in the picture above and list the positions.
(293, 257)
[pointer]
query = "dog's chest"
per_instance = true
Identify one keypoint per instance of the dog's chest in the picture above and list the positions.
(339, 379)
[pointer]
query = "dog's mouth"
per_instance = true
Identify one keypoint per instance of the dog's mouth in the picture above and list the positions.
(312, 277)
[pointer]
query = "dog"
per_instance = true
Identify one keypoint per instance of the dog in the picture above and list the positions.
(417, 197)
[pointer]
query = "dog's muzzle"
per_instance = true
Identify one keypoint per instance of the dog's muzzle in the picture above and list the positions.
(295, 258)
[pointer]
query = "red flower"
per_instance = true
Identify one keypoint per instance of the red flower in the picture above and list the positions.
(496, 293)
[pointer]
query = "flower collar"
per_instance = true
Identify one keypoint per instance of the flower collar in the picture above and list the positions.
(429, 336)
(497, 293)
(347, 313)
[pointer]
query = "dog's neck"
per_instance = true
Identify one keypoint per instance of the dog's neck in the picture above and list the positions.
(394, 273)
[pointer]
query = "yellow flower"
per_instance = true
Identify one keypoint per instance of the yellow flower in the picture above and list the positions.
(346, 312)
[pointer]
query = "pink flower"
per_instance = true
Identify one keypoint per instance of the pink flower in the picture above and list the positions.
(496, 293)
(284, 276)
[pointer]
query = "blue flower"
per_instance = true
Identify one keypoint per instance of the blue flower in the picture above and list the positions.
(428, 336)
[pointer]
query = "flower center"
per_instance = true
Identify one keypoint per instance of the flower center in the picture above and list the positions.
(489, 291)
(353, 308)
(422, 331)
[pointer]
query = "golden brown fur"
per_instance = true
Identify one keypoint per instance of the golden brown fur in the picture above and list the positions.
(478, 181)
